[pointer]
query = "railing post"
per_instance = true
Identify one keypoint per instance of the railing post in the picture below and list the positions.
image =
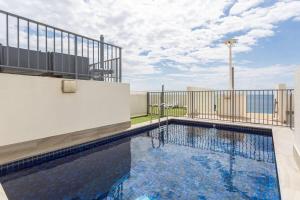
(291, 109)
(162, 101)
(233, 105)
(76, 67)
(120, 65)
(148, 103)
(102, 56)
(7, 41)
(192, 104)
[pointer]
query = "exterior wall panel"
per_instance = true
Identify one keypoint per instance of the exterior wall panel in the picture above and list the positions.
(34, 107)
(138, 104)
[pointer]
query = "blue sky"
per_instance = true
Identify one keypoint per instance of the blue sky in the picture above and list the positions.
(180, 43)
(282, 48)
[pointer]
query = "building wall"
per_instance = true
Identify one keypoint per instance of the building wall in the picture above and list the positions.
(138, 104)
(200, 103)
(224, 105)
(282, 103)
(34, 107)
(172, 98)
(297, 110)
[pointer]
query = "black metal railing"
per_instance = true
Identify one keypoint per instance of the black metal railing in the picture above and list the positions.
(34, 48)
(270, 107)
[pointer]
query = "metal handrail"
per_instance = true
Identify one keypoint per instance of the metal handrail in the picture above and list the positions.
(56, 28)
(62, 57)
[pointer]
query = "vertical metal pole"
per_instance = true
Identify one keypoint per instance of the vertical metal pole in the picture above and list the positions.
(251, 111)
(117, 65)
(263, 101)
(273, 107)
(62, 51)
(205, 105)
(192, 105)
(107, 64)
(239, 106)
(148, 101)
(230, 43)
(93, 58)
(88, 55)
(69, 67)
(46, 48)
(7, 42)
(162, 101)
(28, 44)
(18, 38)
(120, 65)
(233, 105)
(202, 102)
(37, 46)
(81, 67)
(258, 106)
(286, 107)
(255, 109)
(281, 91)
(53, 67)
(291, 107)
(231, 84)
(98, 56)
(76, 70)
(111, 62)
(102, 56)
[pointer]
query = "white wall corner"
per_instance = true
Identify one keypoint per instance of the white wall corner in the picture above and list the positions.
(281, 86)
(297, 118)
(296, 155)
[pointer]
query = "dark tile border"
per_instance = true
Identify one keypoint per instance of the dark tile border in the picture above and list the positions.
(45, 157)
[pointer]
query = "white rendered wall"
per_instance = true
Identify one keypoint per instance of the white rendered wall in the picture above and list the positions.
(297, 110)
(34, 107)
(200, 102)
(138, 104)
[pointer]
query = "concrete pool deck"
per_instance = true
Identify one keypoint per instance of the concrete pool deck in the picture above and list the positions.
(288, 171)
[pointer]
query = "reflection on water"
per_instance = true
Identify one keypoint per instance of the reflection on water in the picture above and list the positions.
(174, 162)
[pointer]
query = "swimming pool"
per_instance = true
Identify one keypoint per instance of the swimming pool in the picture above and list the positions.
(176, 161)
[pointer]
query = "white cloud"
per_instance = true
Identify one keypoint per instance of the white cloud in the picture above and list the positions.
(189, 32)
(243, 5)
(297, 18)
(261, 77)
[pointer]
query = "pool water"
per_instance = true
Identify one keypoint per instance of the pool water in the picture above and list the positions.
(173, 162)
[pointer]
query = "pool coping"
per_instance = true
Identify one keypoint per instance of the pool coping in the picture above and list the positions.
(283, 138)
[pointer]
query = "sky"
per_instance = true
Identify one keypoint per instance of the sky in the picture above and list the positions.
(181, 43)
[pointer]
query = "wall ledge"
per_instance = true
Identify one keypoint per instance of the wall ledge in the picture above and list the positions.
(19, 151)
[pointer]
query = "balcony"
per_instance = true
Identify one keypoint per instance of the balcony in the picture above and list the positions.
(34, 48)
